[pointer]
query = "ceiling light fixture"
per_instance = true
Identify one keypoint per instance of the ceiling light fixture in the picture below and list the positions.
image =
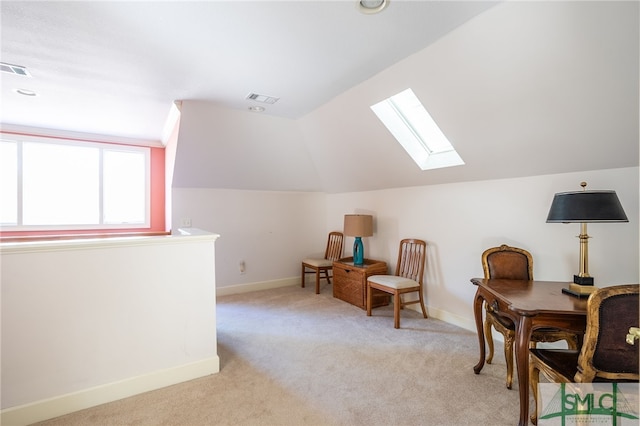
(26, 92)
(372, 6)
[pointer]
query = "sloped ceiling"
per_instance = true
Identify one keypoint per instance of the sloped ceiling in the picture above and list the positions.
(115, 67)
(526, 88)
(520, 89)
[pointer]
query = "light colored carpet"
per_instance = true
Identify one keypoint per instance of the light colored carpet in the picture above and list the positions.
(291, 357)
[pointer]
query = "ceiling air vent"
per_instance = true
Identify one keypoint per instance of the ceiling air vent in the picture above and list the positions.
(14, 69)
(262, 98)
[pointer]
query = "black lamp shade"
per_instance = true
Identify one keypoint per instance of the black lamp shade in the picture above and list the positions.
(586, 206)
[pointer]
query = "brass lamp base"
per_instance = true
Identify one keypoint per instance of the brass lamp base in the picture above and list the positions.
(583, 280)
(580, 290)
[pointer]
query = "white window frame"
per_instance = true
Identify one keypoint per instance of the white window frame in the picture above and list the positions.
(101, 225)
(414, 128)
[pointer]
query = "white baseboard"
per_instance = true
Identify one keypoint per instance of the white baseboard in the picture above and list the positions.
(65, 404)
(452, 319)
(260, 285)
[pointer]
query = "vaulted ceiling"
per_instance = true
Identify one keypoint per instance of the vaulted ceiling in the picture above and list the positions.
(520, 88)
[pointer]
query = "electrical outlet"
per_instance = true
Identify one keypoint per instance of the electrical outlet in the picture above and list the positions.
(185, 222)
(242, 267)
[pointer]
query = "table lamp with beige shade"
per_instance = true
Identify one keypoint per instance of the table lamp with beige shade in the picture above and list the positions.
(358, 226)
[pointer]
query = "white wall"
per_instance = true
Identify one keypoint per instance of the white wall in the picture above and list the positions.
(461, 220)
(273, 231)
(270, 231)
(220, 147)
(86, 322)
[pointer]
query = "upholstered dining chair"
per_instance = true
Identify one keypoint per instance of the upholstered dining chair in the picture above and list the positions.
(335, 247)
(606, 356)
(513, 263)
(407, 279)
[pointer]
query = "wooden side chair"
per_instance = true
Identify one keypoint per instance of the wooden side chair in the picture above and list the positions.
(512, 263)
(407, 279)
(335, 247)
(606, 356)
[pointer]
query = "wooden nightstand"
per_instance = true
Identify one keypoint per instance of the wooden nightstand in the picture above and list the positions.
(350, 282)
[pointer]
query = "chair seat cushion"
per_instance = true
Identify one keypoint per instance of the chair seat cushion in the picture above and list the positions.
(318, 263)
(565, 362)
(508, 324)
(393, 281)
(562, 361)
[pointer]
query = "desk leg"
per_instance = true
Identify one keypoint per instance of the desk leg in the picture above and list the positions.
(523, 336)
(477, 312)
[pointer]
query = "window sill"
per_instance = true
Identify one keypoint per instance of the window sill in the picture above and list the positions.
(38, 238)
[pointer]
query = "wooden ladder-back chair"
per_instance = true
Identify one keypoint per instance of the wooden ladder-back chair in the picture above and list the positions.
(407, 279)
(606, 355)
(335, 247)
(512, 263)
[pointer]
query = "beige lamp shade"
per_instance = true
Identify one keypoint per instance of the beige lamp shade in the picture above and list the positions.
(358, 225)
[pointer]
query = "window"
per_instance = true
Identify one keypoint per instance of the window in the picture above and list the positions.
(410, 123)
(57, 184)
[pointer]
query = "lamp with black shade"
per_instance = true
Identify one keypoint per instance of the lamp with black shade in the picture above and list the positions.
(585, 207)
(358, 226)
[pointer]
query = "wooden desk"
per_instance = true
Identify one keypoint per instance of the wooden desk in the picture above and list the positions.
(350, 281)
(530, 305)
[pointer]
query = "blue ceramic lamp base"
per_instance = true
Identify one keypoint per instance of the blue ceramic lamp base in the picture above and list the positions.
(358, 252)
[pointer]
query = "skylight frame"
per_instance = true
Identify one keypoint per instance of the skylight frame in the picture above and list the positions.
(417, 132)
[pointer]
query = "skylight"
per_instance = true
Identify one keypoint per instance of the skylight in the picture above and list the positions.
(410, 123)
